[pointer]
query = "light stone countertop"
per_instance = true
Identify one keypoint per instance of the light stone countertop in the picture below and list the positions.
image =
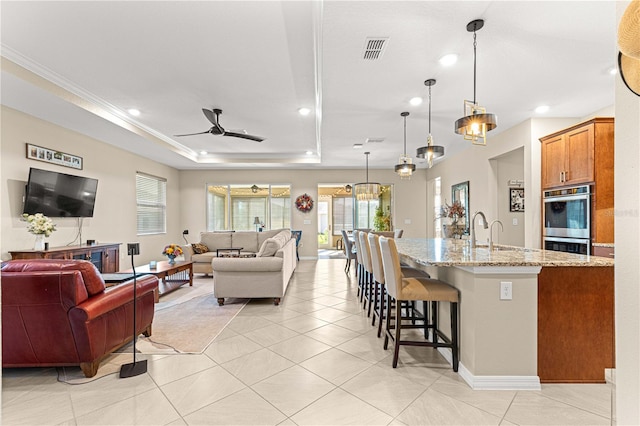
(451, 252)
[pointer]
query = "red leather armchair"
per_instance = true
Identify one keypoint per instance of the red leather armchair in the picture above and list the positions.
(58, 313)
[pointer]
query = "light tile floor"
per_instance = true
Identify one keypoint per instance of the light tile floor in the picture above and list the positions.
(313, 360)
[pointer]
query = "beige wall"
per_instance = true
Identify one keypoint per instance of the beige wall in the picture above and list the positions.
(115, 210)
(509, 166)
(409, 205)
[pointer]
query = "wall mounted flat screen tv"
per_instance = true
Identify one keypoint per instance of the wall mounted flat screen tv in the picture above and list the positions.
(59, 195)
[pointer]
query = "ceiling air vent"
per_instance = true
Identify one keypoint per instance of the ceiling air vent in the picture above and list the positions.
(374, 47)
(375, 140)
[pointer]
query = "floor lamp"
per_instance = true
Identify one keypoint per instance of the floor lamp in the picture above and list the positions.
(139, 367)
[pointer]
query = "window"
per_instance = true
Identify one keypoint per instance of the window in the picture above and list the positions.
(342, 214)
(235, 207)
(151, 200)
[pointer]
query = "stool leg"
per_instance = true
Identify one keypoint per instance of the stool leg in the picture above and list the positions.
(434, 321)
(396, 349)
(376, 285)
(382, 313)
(388, 324)
(425, 315)
(454, 335)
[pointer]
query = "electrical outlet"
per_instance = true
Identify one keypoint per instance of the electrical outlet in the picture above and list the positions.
(515, 221)
(506, 290)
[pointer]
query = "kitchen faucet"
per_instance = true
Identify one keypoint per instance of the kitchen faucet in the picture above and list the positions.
(473, 226)
(491, 232)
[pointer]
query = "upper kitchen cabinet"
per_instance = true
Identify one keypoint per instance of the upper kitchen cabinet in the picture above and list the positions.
(571, 156)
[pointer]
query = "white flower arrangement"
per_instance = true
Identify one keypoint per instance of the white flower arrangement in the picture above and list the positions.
(38, 224)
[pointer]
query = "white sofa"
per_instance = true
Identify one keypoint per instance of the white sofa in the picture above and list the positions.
(265, 275)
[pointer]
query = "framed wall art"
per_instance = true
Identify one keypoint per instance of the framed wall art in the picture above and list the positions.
(516, 199)
(35, 152)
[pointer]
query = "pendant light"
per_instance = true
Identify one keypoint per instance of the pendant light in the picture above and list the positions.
(405, 166)
(369, 190)
(430, 151)
(476, 122)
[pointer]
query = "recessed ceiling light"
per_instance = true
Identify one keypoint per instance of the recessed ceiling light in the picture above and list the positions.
(415, 101)
(357, 146)
(134, 112)
(203, 152)
(448, 60)
(542, 109)
(613, 71)
(309, 152)
(304, 111)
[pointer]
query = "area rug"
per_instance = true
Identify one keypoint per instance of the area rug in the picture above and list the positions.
(178, 328)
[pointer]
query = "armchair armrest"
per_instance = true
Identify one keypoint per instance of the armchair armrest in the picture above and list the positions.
(188, 252)
(117, 296)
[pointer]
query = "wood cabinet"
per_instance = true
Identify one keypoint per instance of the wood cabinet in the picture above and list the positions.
(106, 257)
(584, 154)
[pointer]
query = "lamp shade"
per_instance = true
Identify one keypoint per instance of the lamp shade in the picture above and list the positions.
(367, 191)
(431, 151)
(256, 221)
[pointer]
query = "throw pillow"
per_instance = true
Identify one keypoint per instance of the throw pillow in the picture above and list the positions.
(199, 248)
(269, 248)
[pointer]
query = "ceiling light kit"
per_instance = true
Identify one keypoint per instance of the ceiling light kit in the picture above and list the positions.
(405, 166)
(134, 112)
(430, 151)
(416, 101)
(542, 109)
(367, 191)
(476, 122)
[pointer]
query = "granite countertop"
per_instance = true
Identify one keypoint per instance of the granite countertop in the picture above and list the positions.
(451, 252)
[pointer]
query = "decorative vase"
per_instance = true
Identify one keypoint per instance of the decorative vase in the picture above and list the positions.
(172, 259)
(39, 245)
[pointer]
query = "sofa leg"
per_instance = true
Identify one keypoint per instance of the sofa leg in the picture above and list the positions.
(147, 331)
(221, 301)
(90, 369)
(276, 301)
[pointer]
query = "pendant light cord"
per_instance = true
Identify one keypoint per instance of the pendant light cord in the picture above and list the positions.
(429, 109)
(405, 137)
(474, 66)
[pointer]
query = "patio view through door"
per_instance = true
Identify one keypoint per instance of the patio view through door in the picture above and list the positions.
(335, 213)
(324, 222)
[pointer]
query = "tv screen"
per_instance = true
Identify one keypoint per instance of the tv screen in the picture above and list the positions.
(59, 195)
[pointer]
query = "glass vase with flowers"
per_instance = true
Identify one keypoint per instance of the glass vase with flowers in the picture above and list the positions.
(172, 251)
(40, 226)
(455, 212)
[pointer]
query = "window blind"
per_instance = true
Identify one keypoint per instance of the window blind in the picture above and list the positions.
(151, 201)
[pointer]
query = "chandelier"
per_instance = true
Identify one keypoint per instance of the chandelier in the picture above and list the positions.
(366, 191)
(430, 151)
(476, 122)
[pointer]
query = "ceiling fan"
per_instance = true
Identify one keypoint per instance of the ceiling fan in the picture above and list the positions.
(213, 116)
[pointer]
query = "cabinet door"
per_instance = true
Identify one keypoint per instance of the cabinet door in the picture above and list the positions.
(579, 155)
(110, 263)
(553, 151)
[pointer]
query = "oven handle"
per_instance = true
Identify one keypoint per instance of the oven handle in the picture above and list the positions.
(569, 240)
(568, 198)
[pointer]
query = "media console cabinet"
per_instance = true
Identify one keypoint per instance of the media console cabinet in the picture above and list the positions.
(106, 256)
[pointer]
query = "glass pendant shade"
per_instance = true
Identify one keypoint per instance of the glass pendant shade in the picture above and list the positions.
(405, 166)
(367, 191)
(476, 122)
(430, 151)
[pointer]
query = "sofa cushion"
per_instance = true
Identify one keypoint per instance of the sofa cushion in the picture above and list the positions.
(216, 240)
(199, 248)
(247, 240)
(262, 236)
(269, 247)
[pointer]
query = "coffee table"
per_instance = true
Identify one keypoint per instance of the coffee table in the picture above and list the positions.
(171, 276)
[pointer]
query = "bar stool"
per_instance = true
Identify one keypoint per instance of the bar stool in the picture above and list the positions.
(359, 267)
(417, 289)
(379, 282)
(365, 256)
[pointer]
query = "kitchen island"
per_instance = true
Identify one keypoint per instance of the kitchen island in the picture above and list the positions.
(526, 315)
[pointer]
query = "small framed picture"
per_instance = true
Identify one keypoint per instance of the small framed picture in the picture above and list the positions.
(52, 156)
(516, 199)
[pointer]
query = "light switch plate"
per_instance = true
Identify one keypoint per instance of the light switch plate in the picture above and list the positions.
(407, 221)
(515, 221)
(307, 221)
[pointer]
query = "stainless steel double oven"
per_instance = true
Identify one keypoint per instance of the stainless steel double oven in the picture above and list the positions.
(567, 219)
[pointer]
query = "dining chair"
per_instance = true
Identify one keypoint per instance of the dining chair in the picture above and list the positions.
(417, 289)
(349, 250)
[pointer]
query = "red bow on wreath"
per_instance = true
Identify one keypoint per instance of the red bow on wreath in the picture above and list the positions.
(304, 203)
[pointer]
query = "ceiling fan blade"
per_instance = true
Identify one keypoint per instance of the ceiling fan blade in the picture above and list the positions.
(210, 116)
(244, 136)
(192, 134)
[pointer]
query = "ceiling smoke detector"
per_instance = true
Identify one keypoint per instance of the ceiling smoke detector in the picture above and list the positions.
(374, 47)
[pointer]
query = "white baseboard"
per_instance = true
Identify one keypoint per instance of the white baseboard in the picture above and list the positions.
(499, 382)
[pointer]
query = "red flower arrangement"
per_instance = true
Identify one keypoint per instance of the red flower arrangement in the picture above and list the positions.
(304, 203)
